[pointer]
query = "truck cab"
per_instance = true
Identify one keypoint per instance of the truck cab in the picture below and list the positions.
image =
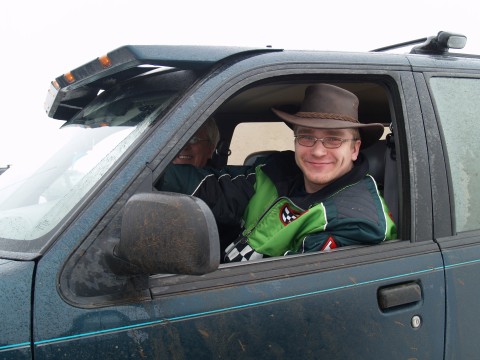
(96, 262)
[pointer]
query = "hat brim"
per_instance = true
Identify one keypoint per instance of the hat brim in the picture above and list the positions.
(370, 133)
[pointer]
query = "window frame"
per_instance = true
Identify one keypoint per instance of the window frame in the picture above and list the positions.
(391, 80)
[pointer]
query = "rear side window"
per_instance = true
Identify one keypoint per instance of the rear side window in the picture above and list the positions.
(262, 137)
(458, 108)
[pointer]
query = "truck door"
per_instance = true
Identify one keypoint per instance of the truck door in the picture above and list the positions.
(362, 302)
(454, 101)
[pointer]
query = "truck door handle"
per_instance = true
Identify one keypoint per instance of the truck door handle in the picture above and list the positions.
(398, 295)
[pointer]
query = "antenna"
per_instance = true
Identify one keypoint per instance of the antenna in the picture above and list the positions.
(432, 45)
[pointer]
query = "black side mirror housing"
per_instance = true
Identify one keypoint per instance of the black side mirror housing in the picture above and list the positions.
(168, 233)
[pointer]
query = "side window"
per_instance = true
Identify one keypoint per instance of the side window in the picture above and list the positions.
(457, 107)
(249, 138)
(99, 272)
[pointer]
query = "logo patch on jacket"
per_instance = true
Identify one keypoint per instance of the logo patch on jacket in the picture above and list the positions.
(329, 244)
(287, 215)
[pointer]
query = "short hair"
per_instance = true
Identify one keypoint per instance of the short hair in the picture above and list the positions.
(356, 133)
(212, 131)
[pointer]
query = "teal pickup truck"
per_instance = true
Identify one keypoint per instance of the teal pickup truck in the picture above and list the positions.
(67, 214)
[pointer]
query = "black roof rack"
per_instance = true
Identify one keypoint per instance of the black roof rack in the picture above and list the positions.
(432, 45)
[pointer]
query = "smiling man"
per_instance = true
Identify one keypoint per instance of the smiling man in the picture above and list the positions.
(318, 198)
(322, 165)
(200, 148)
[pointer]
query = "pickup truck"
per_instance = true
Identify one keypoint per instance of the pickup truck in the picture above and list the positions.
(88, 195)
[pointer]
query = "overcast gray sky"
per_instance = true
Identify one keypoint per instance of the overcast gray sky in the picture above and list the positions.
(43, 39)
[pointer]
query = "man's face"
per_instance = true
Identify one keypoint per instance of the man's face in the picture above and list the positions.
(322, 166)
(196, 154)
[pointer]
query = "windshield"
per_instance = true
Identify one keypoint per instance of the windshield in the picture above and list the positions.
(39, 190)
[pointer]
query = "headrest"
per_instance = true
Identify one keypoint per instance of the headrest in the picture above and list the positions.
(376, 160)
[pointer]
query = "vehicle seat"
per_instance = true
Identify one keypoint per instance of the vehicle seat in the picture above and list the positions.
(375, 155)
(382, 166)
(251, 158)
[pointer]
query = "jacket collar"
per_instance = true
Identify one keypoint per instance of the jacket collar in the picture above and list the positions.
(288, 178)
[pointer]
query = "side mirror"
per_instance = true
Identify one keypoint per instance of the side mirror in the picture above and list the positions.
(168, 233)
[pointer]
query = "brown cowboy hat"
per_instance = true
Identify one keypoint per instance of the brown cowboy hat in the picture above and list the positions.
(330, 107)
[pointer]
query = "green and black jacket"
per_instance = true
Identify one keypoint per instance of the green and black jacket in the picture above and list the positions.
(277, 216)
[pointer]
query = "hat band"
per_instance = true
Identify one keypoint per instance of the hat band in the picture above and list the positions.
(320, 115)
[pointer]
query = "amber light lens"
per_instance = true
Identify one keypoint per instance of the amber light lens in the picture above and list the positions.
(105, 61)
(69, 77)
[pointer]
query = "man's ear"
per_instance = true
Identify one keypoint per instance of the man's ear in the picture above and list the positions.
(212, 150)
(356, 149)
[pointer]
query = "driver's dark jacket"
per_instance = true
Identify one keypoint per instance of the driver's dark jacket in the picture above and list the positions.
(278, 217)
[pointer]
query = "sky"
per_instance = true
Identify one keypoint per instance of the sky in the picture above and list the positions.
(44, 39)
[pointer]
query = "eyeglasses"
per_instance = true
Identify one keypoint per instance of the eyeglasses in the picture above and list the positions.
(331, 142)
(195, 140)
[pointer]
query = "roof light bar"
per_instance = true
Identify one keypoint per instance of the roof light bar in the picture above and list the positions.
(72, 91)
